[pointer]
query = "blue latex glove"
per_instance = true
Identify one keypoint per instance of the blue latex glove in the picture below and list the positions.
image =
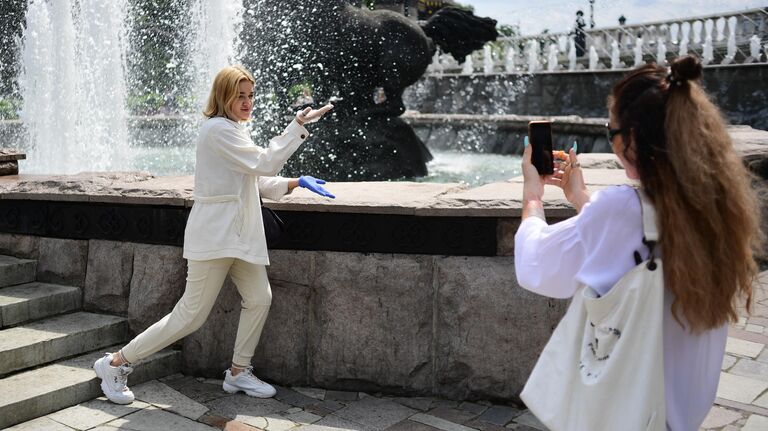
(314, 184)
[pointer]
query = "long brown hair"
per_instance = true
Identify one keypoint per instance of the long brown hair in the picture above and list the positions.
(707, 212)
(224, 91)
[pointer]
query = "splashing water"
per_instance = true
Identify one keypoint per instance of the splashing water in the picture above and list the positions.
(216, 25)
(488, 64)
(615, 56)
(661, 52)
(572, 54)
(754, 47)
(533, 56)
(552, 58)
(73, 86)
(639, 52)
(510, 55)
(593, 58)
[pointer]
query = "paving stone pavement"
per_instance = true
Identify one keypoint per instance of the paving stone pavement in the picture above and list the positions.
(181, 402)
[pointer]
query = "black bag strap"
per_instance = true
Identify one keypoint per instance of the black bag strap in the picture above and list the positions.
(650, 230)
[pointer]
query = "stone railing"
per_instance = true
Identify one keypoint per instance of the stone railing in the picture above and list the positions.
(729, 38)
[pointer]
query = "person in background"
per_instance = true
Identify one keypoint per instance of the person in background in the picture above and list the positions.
(580, 36)
(224, 234)
(671, 138)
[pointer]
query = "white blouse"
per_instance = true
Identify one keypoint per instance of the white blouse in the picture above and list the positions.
(230, 172)
(596, 248)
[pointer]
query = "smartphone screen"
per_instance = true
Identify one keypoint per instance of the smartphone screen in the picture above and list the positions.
(540, 137)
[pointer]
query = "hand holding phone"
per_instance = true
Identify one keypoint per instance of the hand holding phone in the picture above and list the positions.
(540, 138)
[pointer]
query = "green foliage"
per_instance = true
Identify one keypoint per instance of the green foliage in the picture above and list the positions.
(297, 90)
(369, 3)
(9, 108)
(507, 30)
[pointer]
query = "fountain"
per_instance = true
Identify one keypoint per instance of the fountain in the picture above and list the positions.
(73, 86)
(639, 52)
(509, 56)
(533, 56)
(488, 64)
(754, 49)
(552, 58)
(84, 44)
(468, 68)
(593, 58)
(661, 52)
(572, 55)
(615, 56)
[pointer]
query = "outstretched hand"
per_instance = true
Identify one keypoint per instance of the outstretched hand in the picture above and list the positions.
(314, 184)
(309, 115)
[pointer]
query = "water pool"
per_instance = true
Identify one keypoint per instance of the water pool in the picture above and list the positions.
(473, 169)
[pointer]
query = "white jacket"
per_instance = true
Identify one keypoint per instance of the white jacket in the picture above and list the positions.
(230, 171)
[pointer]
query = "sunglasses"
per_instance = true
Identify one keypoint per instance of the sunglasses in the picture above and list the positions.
(611, 133)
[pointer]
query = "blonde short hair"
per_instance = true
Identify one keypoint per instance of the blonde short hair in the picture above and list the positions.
(225, 90)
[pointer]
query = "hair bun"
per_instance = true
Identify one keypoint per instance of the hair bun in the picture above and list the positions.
(686, 68)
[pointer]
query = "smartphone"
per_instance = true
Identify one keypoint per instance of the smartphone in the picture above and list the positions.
(540, 139)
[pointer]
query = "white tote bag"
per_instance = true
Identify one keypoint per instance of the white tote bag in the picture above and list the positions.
(603, 367)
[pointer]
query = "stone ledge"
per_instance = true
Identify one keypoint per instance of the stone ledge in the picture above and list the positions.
(388, 198)
(7, 155)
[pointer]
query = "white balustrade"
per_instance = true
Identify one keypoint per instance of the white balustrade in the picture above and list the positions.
(727, 38)
(708, 50)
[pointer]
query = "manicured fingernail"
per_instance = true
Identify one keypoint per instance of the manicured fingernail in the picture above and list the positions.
(575, 147)
(525, 142)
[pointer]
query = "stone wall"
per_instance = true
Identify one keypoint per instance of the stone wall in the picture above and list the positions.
(451, 326)
(739, 90)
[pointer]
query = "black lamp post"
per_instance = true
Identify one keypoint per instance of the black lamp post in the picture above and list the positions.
(591, 13)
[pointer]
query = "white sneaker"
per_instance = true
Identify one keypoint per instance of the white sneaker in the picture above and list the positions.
(114, 380)
(248, 383)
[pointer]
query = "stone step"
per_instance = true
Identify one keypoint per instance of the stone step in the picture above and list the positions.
(32, 301)
(16, 271)
(31, 394)
(58, 337)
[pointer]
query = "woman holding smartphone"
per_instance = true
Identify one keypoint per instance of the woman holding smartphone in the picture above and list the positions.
(673, 140)
(224, 234)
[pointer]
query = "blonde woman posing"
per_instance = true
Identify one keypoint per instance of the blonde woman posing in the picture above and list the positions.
(224, 234)
(673, 140)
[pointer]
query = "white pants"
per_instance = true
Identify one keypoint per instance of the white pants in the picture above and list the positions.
(204, 281)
